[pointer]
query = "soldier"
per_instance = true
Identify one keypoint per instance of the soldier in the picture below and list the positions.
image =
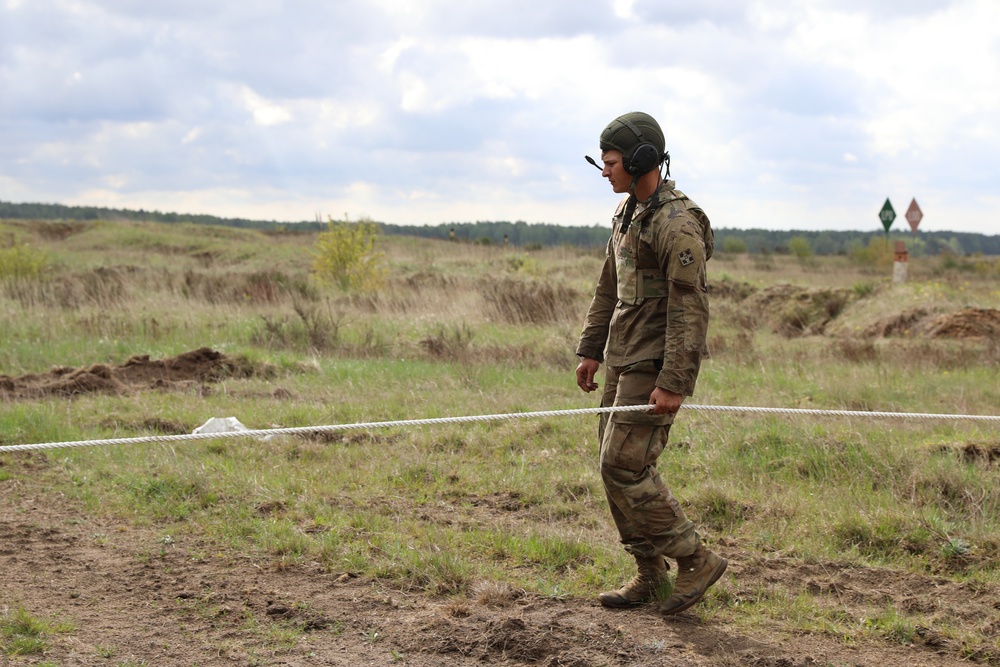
(647, 323)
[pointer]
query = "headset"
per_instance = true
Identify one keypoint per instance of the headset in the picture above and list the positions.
(644, 157)
(641, 159)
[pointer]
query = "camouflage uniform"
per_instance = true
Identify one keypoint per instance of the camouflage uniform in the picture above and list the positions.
(648, 322)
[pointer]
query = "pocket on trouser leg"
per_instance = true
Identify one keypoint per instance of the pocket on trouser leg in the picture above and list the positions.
(632, 446)
(635, 385)
(642, 418)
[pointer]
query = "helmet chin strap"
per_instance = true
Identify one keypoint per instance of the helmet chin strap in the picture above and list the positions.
(629, 211)
(633, 199)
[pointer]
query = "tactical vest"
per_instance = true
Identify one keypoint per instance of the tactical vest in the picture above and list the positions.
(638, 278)
(639, 274)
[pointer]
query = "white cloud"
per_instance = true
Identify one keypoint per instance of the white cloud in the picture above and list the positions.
(265, 112)
(777, 114)
(623, 8)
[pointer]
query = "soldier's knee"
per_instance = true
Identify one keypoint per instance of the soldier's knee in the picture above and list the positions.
(618, 478)
(636, 489)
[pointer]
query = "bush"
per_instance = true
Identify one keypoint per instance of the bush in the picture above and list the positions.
(799, 246)
(734, 246)
(876, 255)
(22, 262)
(345, 256)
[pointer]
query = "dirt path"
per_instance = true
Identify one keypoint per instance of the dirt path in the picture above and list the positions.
(129, 598)
(132, 600)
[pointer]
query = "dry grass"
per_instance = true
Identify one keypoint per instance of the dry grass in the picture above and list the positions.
(465, 329)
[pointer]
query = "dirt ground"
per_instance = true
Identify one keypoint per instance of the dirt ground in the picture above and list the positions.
(133, 599)
(136, 374)
(979, 323)
(192, 604)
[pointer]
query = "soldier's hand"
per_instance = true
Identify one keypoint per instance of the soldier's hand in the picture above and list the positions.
(665, 401)
(585, 373)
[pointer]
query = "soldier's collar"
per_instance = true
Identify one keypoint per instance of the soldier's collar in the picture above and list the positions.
(663, 194)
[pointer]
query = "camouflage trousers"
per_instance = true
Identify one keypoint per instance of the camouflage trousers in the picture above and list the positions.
(650, 521)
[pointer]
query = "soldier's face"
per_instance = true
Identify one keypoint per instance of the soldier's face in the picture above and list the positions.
(614, 171)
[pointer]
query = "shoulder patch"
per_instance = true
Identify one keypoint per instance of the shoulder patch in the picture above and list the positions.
(686, 260)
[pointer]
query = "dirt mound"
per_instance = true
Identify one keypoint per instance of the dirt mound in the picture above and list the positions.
(900, 324)
(137, 373)
(967, 323)
(978, 452)
(796, 311)
(734, 290)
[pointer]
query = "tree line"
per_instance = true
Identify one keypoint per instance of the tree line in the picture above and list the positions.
(36, 211)
(529, 235)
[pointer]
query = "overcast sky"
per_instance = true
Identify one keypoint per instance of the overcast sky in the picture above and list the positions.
(781, 114)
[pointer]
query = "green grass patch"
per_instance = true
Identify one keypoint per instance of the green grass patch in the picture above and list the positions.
(23, 633)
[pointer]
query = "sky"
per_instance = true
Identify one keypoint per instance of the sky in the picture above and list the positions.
(784, 114)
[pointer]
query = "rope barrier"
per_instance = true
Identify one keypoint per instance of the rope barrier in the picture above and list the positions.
(475, 418)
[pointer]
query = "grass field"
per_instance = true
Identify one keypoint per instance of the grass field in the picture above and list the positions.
(462, 329)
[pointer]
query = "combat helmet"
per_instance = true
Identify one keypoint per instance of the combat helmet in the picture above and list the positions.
(639, 138)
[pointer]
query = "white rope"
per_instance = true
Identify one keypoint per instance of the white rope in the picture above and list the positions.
(843, 413)
(475, 418)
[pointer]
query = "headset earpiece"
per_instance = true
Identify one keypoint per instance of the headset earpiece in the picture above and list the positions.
(640, 154)
(644, 157)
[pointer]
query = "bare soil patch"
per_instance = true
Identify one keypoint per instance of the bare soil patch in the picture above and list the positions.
(793, 311)
(905, 323)
(138, 373)
(132, 596)
(968, 323)
(981, 452)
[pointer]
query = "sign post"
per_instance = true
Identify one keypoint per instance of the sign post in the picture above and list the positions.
(899, 263)
(914, 215)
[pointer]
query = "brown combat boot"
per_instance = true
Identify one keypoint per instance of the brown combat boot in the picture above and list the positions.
(695, 573)
(642, 588)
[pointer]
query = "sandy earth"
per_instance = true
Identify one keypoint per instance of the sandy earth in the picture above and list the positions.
(132, 599)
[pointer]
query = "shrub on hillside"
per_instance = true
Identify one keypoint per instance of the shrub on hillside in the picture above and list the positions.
(22, 262)
(345, 256)
(876, 255)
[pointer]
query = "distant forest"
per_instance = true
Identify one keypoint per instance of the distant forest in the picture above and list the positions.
(536, 235)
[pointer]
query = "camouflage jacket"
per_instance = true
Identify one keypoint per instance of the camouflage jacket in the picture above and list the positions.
(651, 300)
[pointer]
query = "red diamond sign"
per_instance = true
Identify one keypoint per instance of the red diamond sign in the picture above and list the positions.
(914, 215)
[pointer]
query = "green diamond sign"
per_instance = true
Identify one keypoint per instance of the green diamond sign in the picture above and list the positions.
(887, 215)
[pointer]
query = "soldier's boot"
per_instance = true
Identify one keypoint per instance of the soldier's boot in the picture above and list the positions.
(695, 573)
(652, 574)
